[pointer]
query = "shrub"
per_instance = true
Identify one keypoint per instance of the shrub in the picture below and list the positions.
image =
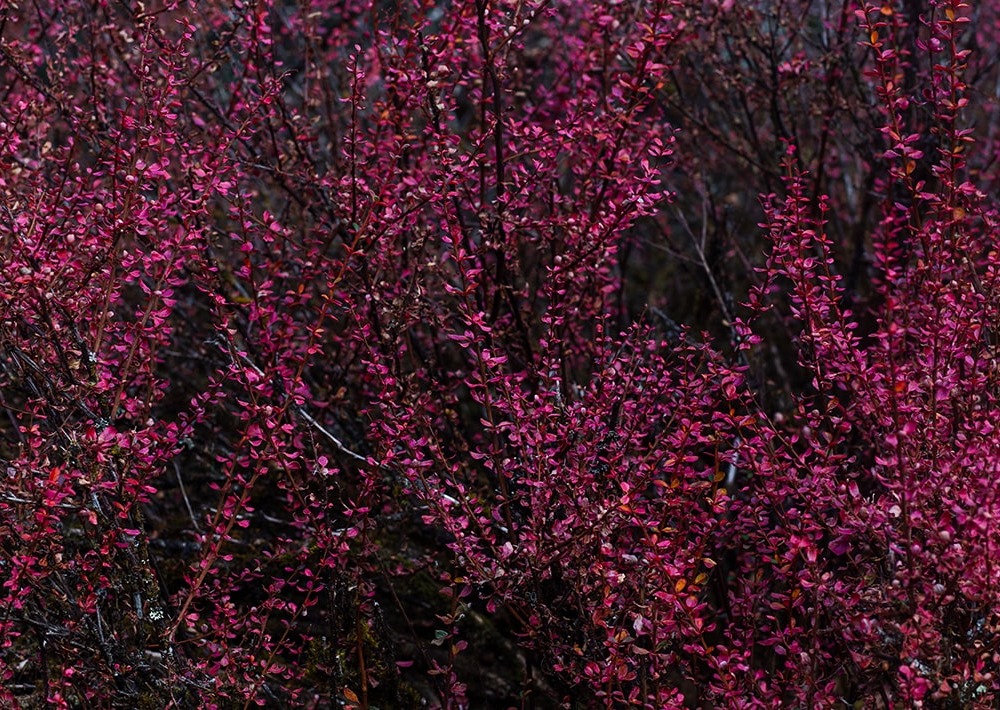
(492, 354)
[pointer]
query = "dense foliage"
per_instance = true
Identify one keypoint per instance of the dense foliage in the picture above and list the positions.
(499, 353)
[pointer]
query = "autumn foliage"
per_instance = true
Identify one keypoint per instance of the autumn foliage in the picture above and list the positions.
(499, 353)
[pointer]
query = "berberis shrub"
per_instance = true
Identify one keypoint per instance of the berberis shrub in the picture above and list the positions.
(499, 353)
